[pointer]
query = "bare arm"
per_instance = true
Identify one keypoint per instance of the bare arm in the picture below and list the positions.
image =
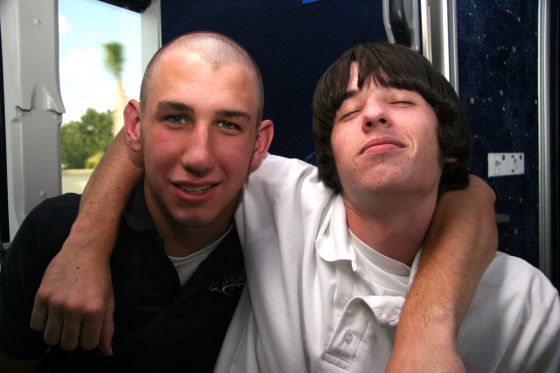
(460, 244)
(74, 304)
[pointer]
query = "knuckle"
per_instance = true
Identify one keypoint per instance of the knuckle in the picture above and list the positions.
(58, 304)
(93, 311)
(42, 297)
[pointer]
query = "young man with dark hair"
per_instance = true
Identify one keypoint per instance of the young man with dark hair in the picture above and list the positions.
(390, 135)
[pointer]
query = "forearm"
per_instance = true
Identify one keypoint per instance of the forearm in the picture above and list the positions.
(74, 303)
(460, 244)
(106, 193)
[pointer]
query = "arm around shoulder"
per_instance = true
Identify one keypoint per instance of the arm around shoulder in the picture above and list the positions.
(74, 303)
(461, 242)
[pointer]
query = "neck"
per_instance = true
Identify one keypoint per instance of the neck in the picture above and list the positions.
(395, 227)
(184, 238)
(181, 241)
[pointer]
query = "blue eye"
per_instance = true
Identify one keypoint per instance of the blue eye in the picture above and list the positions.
(227, 125)
(175, 119)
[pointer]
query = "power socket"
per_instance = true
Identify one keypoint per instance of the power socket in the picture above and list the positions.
(506, 164)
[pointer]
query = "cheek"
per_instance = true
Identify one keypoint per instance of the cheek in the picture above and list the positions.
(342, 147)
(338, 144)
(160, 152)
(430, 154)
(432, 142)
(235, 155)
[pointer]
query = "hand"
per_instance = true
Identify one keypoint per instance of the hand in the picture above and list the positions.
(74, 304)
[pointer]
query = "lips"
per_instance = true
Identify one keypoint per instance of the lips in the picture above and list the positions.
(192, 191)
(382, 144)
(195, 190)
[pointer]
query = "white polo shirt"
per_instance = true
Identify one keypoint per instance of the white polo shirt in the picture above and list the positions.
(319, 300)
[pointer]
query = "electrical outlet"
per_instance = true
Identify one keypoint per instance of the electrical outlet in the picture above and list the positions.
(505, 164)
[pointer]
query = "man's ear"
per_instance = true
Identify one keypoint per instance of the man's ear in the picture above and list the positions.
(132, 127)
(264, 139)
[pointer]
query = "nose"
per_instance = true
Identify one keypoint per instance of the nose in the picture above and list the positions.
(374, 114)
(198, 155)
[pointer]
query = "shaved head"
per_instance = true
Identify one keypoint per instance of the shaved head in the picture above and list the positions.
(217, 49)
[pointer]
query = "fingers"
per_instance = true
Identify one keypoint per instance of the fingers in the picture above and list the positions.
(91, 330)
(71, 327)
(49, 320)
(53, 328)
(70, 334)
(39, 314)
(71, 303)
(63, 330)
(108, 329)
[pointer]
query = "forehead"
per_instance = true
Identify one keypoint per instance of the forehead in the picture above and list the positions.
(186, 75)
(379, 81)
(354, 79)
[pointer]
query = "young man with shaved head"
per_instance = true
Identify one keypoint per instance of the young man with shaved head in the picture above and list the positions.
(190, 124)
(178, 271)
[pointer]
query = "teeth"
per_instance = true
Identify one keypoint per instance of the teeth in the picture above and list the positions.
(196, 190)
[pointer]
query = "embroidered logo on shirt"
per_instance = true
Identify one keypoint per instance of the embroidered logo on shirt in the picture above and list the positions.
(229, 284)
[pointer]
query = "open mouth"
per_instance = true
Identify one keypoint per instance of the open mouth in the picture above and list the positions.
(196, 190)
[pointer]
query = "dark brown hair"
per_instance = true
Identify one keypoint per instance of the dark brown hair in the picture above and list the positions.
(392, 65)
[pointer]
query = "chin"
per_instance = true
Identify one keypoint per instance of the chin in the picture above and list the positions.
(194, 221)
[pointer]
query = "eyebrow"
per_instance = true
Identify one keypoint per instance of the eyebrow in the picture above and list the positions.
(234, 114)
(348, 95)
(178, 106)
(171, 105)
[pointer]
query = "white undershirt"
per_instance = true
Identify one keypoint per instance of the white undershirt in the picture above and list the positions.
(383, 265)
(186, 265)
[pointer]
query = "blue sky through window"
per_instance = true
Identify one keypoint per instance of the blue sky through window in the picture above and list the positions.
(84, 26)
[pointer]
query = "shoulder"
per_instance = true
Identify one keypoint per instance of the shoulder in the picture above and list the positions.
(513, 320)
(520, 310)
(61, 203)
(55, 210)
(517, 271)
(293, 166)
(513, 281)
(48, 224)
(279, 174)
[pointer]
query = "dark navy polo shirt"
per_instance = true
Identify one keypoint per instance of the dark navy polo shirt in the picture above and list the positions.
(159, 325)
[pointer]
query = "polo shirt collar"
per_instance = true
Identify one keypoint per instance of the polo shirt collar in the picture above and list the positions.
(136, 214)
(332, 243)
(333, 238)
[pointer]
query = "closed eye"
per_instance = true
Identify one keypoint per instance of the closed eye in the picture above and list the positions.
(402, 103)
(349, 115)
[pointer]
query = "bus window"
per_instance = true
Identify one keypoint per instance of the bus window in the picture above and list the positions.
(100, 69)
(4, 220)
